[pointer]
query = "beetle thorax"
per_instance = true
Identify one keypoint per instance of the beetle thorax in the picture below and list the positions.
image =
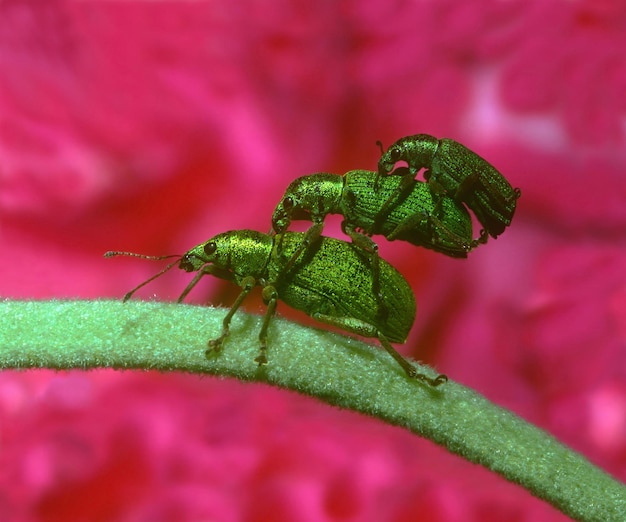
(420, 150)
(322, 195)
(248, 253)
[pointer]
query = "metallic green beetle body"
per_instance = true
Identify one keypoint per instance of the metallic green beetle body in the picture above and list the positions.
(330, 279)
(360, 199)
(331, 282)
(455, 170)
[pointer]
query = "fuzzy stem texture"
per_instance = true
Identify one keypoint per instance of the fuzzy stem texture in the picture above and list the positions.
(336, 369)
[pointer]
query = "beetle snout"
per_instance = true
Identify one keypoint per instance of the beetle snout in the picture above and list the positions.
(280, 222)
(190, 263)
(185, 264)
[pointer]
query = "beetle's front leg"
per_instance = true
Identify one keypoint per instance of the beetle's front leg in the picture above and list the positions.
(205, 270)
(402, 190)
(215, 345)
(310, 236)
(437, 191)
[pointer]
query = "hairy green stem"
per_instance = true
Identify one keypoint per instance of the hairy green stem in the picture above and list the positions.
(336, 369)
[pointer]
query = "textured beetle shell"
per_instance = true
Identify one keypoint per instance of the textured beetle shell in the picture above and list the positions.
(450, 164)
(334, 277)
(492, 198)
(362, 202)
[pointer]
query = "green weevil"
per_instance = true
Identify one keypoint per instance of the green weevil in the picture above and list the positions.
(360, 198)
(455, 170)
(331, 282)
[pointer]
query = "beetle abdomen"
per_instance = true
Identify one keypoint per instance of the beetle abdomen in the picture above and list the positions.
(334, 277)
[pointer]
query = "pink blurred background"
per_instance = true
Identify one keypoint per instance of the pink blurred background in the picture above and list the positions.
(151, 126)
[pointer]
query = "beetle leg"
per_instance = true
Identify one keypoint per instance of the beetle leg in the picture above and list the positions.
(310, 236)
(205, 270)
(438, 192)
(371, 249)
(482, 238)
(359, 327)
(441, 229)
(410, 370)
(467, 186)
(402, 190)
(215, 345)
(270, 298)
(378, 173)
(408, 224)
(279, 248)
(437, 230)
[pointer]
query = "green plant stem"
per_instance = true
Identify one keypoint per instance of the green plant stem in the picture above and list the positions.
(336, 369)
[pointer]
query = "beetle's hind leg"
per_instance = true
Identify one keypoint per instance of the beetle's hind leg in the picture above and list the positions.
(438, 217)
(440, 230)
(359, 327)
(481, 240)
(409, 369)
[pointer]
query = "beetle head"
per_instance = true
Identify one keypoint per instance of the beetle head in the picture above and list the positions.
(308, 198)
(388, 159)
(243, 252)
(417, 151)
(215, 251)
(290, 206)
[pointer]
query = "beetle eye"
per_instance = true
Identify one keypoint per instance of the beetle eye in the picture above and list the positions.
(288, 203)
(210, 248)
(395, 155)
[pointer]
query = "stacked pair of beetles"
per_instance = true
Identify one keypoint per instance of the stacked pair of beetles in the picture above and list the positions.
(348, 285)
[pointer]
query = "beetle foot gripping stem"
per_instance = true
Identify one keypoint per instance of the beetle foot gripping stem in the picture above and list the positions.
(215, 345)
(437, 381)
(261, 359)
(408, 368)
(270, 298)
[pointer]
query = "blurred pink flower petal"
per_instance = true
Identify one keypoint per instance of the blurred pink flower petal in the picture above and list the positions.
(152, 126)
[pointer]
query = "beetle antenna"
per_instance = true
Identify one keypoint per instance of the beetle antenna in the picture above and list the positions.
(380, 146)
(113, 253)
(128, 295)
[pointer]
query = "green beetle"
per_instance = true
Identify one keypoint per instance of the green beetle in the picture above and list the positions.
(331, 282)
(391, 207)
(455, 170)
(360, 199)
